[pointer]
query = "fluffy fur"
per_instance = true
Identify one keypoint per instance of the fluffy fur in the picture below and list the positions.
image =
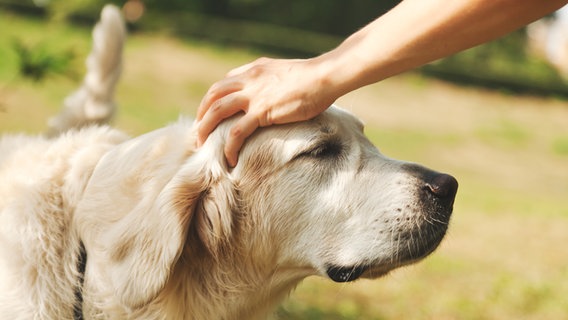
(172, 233)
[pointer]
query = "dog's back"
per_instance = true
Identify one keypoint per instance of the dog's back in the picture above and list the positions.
(41, 181)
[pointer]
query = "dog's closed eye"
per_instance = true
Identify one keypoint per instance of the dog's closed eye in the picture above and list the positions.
(324, 150)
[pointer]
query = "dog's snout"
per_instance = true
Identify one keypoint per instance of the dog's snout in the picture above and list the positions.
(436, 185)
(442, 186)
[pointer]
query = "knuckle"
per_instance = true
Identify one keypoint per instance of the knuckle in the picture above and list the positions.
(216, 105)
(219, 87)
(236, 132)
(259, 66)
(262, 60)
(215, 87)
(264, 117)
(231, 73)
(256, 70)
(263, 120)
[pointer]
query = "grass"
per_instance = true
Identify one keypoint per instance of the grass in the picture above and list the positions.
(560, 146)
(504, 256)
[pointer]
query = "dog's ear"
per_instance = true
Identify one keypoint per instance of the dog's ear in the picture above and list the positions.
(212, 211)
(138, 207)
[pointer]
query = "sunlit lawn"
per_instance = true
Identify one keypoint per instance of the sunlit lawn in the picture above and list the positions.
(505, 256)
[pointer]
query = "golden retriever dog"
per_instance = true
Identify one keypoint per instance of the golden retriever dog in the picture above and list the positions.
(97, 225)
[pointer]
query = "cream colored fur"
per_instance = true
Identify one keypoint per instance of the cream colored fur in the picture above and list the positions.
(41, 183)
(172, 233)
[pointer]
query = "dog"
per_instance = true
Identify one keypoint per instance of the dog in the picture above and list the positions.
(97, 225)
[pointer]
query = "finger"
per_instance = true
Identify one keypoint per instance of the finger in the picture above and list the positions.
(221, 109)
(240, 131)
(244, 68)
(217, 91)
(239, 70)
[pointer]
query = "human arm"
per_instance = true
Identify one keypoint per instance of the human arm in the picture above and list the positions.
(275, 91)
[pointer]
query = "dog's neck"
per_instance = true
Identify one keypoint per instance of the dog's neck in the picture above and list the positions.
(240, 291)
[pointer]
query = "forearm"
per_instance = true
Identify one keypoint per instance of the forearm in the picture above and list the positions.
(420, 31)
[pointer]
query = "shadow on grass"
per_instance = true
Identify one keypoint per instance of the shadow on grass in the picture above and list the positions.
(291, 312)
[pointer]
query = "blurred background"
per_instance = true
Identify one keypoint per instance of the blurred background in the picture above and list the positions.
(495, 116)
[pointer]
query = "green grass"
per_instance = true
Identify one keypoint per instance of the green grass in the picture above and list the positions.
(54, 38)
(560, 146)
(504, 256)
(504, 133)
(415, 141)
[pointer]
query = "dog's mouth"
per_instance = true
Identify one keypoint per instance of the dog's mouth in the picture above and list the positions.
(411, 247)
(345, 274)
(348, 274)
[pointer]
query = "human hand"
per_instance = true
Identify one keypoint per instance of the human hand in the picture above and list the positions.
(274, 91)
(268, 91)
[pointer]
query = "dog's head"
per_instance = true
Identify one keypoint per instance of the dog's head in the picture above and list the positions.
(315, 196)
(335, 204)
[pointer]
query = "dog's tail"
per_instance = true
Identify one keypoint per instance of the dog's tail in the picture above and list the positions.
(93, 102)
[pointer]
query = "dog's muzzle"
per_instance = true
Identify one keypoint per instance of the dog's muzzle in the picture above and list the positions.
(435, 198)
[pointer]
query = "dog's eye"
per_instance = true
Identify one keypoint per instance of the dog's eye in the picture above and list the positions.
(328, 149)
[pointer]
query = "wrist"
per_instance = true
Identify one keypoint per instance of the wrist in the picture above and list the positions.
(333, 77)
(352, 65)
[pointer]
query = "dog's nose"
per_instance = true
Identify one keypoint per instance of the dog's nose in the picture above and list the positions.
(435, 185)
(442, 185)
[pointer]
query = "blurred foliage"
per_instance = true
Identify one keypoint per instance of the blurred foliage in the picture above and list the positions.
(269, 38)
(298, 28)
(502, 64)
(36, 62)
(59, 10)
(336, 17)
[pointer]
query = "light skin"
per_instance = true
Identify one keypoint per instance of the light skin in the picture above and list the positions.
(278, 91)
